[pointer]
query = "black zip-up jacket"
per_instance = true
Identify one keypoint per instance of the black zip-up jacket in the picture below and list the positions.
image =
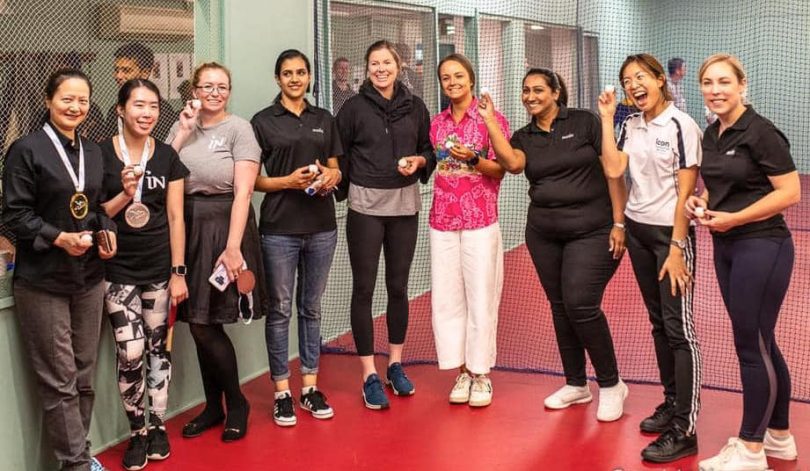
(377, 132)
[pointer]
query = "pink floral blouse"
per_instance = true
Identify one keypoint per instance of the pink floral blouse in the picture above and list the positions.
(463, 198)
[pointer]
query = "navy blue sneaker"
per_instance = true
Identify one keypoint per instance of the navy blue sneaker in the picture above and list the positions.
(399, 381)
(373, 394)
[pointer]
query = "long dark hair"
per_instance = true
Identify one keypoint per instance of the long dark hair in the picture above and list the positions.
(554, 81)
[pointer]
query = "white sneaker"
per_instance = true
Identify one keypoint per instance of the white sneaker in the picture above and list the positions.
(460, 394)
(611, 402)
(780, 448)
(568, 396)
(481, 391)
(735, 457)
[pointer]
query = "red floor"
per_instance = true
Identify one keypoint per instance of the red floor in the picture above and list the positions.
(424, 432)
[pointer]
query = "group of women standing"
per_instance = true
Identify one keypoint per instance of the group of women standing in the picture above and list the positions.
(188, 201)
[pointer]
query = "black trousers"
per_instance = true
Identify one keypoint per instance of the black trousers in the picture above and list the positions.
(673, 327)
(366, 237)
(754, 275)
(574, 272)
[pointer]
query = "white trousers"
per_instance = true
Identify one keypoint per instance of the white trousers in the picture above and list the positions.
(467, 279)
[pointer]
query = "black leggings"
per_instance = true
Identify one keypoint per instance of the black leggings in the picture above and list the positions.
(754, 275)
(218, 368)
(574, 272)
(673, 326)
(366, 236)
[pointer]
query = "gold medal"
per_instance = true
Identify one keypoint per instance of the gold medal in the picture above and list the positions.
(137, 215)
(79, 205)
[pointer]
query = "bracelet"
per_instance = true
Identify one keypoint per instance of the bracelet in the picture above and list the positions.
(619, 225)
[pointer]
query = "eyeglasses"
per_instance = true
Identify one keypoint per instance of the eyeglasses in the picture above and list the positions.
(221, 89)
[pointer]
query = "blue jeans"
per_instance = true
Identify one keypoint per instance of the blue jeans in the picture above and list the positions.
(311, 255)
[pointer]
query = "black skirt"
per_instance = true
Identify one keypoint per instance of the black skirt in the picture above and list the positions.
(207, 221)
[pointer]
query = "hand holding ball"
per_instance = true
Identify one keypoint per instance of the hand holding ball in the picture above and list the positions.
(312, 168)
(86, 240)
(700, 212)
(610, 89)
(403, 162)
(196, 104)
(137, 170)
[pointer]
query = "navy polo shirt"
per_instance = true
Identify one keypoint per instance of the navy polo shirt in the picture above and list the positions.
(736, 167)
(568, 189)
(289, 142)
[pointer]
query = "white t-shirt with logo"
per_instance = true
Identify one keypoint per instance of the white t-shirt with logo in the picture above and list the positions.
(656, 151)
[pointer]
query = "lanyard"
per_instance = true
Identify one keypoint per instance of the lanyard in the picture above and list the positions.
(144, 159)
(78, 182)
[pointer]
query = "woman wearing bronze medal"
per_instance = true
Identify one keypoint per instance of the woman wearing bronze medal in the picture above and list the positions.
(222, 243)
(52, 182)
(143, 182)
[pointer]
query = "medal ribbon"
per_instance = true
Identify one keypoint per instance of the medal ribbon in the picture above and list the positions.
(144, 159)
(78, 182)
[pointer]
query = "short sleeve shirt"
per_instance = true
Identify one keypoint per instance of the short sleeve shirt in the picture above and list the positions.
(289, 142)
(736, 167)
(568, 189)
(463, 198)
(144, 255)
(210, 153)
(656, 152)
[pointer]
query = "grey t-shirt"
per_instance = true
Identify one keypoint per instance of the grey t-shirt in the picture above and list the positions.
(209, 154)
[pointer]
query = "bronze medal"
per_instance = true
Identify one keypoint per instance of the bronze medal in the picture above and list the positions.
(79, 205)
(137, 215)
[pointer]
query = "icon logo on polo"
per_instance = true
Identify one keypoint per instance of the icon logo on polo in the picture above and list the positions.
(731, 152)
(318, 130)
(661, 146)
(568, 136)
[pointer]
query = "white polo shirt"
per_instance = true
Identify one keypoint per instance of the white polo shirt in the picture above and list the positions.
(656, 151)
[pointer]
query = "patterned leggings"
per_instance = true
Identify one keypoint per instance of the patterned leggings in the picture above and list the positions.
(139, 315)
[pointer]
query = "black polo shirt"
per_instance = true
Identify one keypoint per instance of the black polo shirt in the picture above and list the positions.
(568, 189)
(289, 142)
(736, 167)
(37, 190)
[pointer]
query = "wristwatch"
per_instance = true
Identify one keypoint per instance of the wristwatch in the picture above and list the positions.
(680, 243)
(474, 161)
(180, 270)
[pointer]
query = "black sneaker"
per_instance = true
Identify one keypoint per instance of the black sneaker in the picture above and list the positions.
(660, 419)
(157, 444)
(284, 411)
(315, 402)
(671, 445)
(135, 456)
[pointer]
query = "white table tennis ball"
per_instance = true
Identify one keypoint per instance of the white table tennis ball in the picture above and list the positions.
(137, 170)
(485, 91)
(403, 162)
(86, 240)
(610, 88)
(196, 104)
(313, 168)
(449, 145)
(700, 212)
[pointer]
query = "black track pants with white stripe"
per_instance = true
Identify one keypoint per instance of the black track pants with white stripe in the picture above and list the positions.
(673, 327)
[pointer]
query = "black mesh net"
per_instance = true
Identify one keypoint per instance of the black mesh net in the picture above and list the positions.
(585, 42)
(108, 41)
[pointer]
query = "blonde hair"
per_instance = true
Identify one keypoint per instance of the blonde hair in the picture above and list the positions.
(209, 66)
(729, 59)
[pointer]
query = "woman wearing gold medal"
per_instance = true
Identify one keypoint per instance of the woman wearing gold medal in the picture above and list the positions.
(143, 181)
(52, 182)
